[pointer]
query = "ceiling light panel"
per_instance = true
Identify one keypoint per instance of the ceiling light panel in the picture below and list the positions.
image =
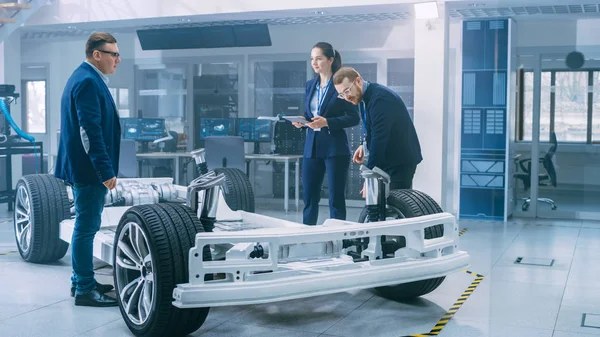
(517, 11)
(426, 10)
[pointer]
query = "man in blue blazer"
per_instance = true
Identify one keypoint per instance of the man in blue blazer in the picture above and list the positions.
(88, 158)
(391, 139)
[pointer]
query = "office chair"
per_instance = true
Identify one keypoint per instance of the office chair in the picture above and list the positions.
(544, 179)
(225, 151)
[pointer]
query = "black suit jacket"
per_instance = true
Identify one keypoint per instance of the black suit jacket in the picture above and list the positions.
(330, 141)
(391, 136)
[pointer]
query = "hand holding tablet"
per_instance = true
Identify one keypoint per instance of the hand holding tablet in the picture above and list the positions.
(296, 119)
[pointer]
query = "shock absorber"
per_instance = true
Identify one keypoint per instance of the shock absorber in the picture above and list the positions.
(199, 158)
(208, 214)
(373, 198)
(373, 186)
(202, 168)
(377, 189)
(382, 200)
(203, 198)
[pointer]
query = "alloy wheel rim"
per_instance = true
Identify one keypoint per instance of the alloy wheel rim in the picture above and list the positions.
(136, 284)
(391, 213)
(22, 216)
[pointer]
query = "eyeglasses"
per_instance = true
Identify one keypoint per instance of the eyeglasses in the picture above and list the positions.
(346, 91)
(112, 53)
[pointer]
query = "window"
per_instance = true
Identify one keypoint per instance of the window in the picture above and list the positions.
(35, 106)
(596, 108)
(544, 108)
(121, 98)
(570, 106)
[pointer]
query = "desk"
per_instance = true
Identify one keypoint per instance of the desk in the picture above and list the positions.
(8, 149)
(286, 188)
(175, 156)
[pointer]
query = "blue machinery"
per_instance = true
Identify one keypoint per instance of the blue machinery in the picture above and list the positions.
(14, 145)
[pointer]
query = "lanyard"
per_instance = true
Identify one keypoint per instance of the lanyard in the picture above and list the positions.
(363, 110)
(321, 99)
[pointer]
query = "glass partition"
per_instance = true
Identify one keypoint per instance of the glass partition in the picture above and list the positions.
(162, 93)
(567, 158)
(215, 95)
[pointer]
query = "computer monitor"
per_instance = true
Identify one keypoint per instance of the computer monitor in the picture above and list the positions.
(245, 129)
(254, 130)
(143, 129)
(216, 127)
(130, 127)
(262, 130)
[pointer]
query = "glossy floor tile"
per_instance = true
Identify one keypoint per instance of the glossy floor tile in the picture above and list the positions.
(512, 300)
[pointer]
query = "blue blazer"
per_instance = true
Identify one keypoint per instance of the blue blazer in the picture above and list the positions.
(331, 141)
(391, 136)
(90, 132)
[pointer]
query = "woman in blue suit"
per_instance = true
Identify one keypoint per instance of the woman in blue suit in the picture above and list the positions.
(326, 148)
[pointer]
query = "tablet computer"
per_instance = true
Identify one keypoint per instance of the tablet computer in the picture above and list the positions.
(295, 119)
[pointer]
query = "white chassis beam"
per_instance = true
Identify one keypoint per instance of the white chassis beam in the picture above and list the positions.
(420, 259)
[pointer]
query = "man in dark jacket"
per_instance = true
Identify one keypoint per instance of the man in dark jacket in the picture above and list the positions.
(88, 158)
(391, 140)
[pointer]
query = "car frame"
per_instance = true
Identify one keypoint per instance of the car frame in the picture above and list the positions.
(179, 250)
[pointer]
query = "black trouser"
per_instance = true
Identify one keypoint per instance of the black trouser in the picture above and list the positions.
(401, 176)
(313, 172)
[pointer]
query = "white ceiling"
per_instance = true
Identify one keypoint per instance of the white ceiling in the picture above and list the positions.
(457, 10)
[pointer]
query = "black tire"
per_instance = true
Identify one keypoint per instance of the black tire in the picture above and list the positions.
(48, 206)
(238, 190)
(410, 204)
(170, 230)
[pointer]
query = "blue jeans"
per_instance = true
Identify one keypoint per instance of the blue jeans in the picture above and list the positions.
(89, 203)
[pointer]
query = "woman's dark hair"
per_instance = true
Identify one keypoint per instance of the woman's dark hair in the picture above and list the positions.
(329, 52)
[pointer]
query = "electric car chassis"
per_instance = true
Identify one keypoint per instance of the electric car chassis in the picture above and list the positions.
(179, 250)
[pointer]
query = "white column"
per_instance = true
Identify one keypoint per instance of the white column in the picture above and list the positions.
(10, 73)
(430, 96)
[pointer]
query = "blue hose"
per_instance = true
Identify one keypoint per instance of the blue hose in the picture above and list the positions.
(20, 132)
(12, 123)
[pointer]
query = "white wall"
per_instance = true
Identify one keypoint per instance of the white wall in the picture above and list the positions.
(430, 66)
(451, 178)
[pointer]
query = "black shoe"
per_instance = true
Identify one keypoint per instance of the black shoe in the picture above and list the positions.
(95, 299)
(102, 288)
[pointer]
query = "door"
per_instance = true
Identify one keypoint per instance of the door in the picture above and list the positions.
(558, 125)
(35, 115)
